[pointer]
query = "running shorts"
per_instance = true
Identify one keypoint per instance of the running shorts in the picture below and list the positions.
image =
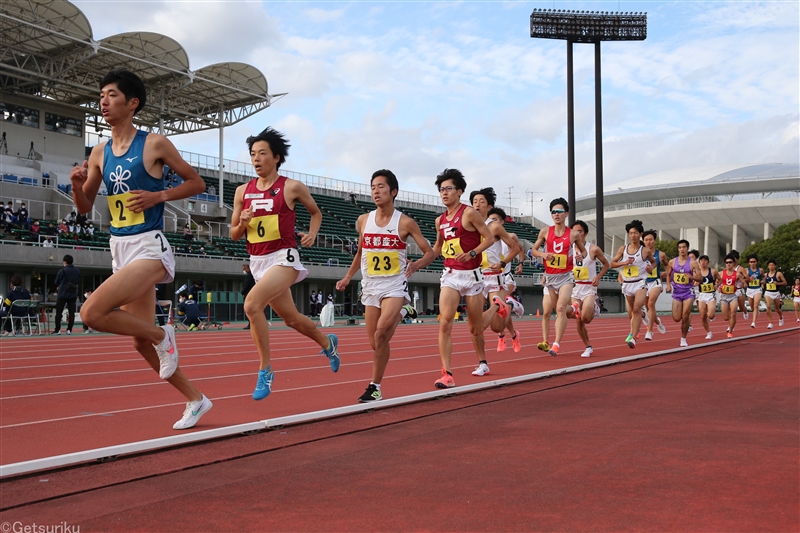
(373, 293)
(706, 297)
(581, 290)
(773, 295)
(556, 281)
(150, 245)
(728, 298)
(287, 257)
(510, 282)
(493, 283)
(466, 282)
(751, 292)
(653, 284)
(631, 288)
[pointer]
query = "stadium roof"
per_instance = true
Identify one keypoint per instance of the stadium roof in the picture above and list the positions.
(47, 49)
(700, 181)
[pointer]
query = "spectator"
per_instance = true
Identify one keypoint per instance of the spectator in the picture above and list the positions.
(63, 229)
(17, 292)
(8, 216)
(212, 191)
(249, 283)
(312, 303)
(35, 229)
(90, 230)
(51, 230)
(202, 250)
(67, 281)
(187, 232)
(22, 217)
(48, 242)
(319, 302)
(352, 198)
(71, 218)
(87, 329)
(189, 311)
(80, 219)
(196, 290)
(73, 229)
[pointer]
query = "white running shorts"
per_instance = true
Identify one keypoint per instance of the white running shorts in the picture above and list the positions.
(372, 293)
(630, 289)
(288, 257)
(151, 245)
(466, 282)
(582, 290)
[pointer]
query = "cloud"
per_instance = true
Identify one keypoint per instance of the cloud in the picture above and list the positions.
(318, 15)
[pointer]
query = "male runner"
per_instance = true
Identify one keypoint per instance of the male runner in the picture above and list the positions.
(381, 256)
(706, 301)
(728, 281)
(130, 165)
(263, 213)
(636, 261)
(772, 280)
(740, 291)
(682, 272)
(796, 298)
(755, 276)
(559, 244)
(510, 284)
(654, 285)
(458, 238)
(587, 278)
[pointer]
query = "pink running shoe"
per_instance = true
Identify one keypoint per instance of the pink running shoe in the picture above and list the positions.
(446, 381)
(516, 343)
(503, 311)
(501, 344)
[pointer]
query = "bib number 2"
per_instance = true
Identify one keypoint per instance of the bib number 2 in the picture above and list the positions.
(121, 216)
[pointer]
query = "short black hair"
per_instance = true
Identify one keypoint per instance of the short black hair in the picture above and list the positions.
(704, 256)
(652, 232)
(497, 211)
(734, 254)
(732, 257)
(559, 201)
(128, 84)
(684, 241)
(199, 282)
(635, 224)
(695, 253)
(583, 226)
(278, 144)
(752, 256)
(488, 193)
(68, 259)
(183, 294)
(16, 281)
(391, 179)
(773, 262)
(454, 175)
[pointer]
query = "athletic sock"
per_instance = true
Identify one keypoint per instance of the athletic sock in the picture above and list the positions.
(449, 373)
(556, 345)
(483, 362)
(503, 336)
(514, 336)
(376, 385)
(403, 312)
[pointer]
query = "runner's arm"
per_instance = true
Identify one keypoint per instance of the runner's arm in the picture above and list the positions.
(300, 193)
(356, 264)
(598, 253)
(86, 180)
(240, 218)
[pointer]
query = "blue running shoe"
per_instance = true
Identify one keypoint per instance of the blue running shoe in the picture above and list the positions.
(264, 383)
(332, 353)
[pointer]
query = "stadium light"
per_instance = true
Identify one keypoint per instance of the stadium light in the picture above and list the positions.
(587, 27)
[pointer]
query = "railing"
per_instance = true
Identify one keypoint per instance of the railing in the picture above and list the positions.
(695, 200)
(223, 229)
(96, 216)
(42, 210)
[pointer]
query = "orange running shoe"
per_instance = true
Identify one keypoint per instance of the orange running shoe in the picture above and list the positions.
(516, 344)
(576, 310)
(446, 381)
(501, 344)
(503, 307)
(730, 335)
(554, 349)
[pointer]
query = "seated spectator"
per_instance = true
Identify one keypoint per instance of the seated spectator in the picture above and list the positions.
(8, 216)
(202, 251)
(71, 218)
(51, 230)
(35, 229)
(80, 219)
(48, 243)
(17, 292)
(212, 191)
(189, 312)
(23, 219)
(63, 229)
(187, 233)
(90, 230)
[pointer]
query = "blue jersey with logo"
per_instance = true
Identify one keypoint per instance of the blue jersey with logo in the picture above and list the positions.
(124, 174)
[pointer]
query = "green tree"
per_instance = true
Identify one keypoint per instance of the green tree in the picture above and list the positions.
(784, 247)
(669, 247)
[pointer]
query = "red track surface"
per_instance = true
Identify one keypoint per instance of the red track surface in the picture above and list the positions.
(700, 440)
(67, 394)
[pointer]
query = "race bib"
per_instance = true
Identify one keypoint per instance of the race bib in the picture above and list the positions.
(772, 287)
(630, 271)
(558, 261)
(485, 261)
(707, 287)
(452, 248)
(653, 274)
(263, 229)
(754, 283)
(383, 263)
(727, 289)
(580, 273)
(121, 216)
(680, 279)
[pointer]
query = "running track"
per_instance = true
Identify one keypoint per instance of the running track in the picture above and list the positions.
(67, 394)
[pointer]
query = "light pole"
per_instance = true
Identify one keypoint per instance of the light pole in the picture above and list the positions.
(532, 200)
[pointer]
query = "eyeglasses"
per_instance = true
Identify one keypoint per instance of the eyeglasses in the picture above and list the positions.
(557, 212)
(753, 261)
(447, 189)
(728, 262)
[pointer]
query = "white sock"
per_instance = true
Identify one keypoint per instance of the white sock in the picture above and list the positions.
(403, 312)
(377, 385)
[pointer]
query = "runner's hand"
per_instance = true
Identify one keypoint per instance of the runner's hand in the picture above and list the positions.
(79, 175)
(142, 200)
(307, 240)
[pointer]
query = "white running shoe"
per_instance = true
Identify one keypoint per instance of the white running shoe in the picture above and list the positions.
(482, 370)
(645, 318)
(753, 325)
(648, 336)
(587, 352)
(713, 318)
(515, 305)
(690, 328)
(746, 315)
(780, 322)
(597, 310)
(728, 329)
(661, 327)
(193, 412)
(769, 326)
(684, 344)
(167, 352)
(709, 336)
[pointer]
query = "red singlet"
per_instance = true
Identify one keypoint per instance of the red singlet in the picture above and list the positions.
(561, 248)
(458, 240)
(272, 226)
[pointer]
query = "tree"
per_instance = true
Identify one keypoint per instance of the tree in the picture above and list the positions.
(669, 247)
(783, 247)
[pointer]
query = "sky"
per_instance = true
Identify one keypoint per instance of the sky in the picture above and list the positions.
(417, 87)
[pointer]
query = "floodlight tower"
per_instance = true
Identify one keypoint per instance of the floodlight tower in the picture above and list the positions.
(587, 27)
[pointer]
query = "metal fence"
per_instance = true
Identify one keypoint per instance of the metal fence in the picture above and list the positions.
(696, 200)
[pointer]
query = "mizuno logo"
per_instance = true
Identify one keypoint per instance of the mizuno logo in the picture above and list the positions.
(130, 159)
(390, 230)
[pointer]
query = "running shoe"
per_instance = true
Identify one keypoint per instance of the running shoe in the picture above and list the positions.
(410, 312)
(501, 343)
(645, 319)
(515, 343)
(730, 335)
(769, 326)
(709, 336)
(661, 327)
(332, 353)
(193, 412)
(780, 322)
(264, 383)
(503, 307)
(746, 315)
(515, 305)
(587, 352)
(192, 327)
(554, 349)
(596, 309)
(648, 336)
(57, 332)
(690, 328)
(753, 325)
(446, 381)
(684, 344)
(372, 394)
(69, 332)
(482, 370)
(728, 329)
(712, 319)
(167, 351)
(630, 341)
(576, 311)
(543, 346)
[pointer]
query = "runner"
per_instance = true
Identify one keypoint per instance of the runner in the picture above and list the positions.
(728, 281)
(130, 165)
(636, 262)
(706, 302)
(558, 241)
(587, 278)
(740, 291)
(381, 256)
(509, 284)
(264, 213)
(682, 272)
(654, 285)
(694, 254)
(796, 298)
(458, 238)
(755, 276)
(772, 281)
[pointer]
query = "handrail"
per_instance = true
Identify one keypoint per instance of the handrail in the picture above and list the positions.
(695, 200)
